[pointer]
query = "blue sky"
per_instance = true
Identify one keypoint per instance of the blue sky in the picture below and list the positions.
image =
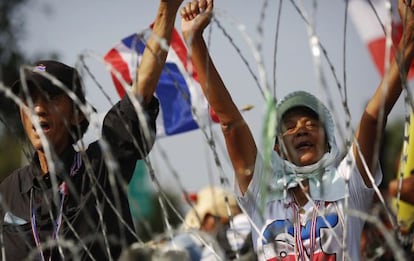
(92, 27)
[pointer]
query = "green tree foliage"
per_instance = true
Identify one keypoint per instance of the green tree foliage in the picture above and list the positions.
(11, 30)
(391, 150)
(11, 56)
(10, 156)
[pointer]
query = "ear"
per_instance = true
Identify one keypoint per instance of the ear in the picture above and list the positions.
(277, 148)
(21, 113)
(280, 150)
(77, 117)
(24, 112)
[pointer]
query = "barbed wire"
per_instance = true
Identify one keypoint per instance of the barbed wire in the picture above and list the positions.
(258, 74)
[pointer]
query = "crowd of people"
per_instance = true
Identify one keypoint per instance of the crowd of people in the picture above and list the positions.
(294, 202)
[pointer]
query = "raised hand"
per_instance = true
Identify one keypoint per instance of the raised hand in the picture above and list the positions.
(196, 15)
(154, 56)
(406, 11)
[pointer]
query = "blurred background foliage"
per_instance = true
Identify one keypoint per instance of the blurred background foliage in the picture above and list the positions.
(11, 56)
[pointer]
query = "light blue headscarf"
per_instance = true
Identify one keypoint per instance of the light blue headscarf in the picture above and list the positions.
(325, 183)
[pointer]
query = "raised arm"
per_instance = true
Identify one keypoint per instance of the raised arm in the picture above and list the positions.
(154, 56)
(386, 94)
(241, 146)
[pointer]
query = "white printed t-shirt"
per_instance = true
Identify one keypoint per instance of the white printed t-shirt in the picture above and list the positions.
(277, 237)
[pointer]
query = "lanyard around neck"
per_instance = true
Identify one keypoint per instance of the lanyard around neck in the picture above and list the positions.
(298, 231)
(56, 223)
(63, 191)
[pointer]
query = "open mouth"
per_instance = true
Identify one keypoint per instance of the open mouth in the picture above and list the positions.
(304, 145)
(45, 126)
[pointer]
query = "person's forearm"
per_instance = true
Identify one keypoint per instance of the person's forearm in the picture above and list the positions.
(239, 140)
(374, 118)
(392, 83)
(213, 86)
(155, 53)
(391, 86)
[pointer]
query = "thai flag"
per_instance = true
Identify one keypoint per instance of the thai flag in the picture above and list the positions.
(371, 30)
(183, 106)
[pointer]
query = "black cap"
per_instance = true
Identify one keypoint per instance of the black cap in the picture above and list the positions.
(37, 78)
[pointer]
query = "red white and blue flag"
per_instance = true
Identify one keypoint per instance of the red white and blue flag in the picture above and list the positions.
(182, 104)
(369, 25)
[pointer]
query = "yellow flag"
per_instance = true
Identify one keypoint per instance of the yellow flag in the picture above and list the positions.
(405, 211)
